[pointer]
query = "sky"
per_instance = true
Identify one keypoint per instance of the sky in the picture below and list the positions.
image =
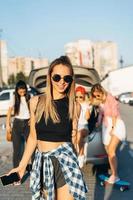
(42, 27)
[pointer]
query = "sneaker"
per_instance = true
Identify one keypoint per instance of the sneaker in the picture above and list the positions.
(81, 161)
(113, 179)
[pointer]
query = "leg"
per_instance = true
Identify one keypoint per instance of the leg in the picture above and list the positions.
(18, 142)
(17, 149)
(81, 143)
(64, 192)
(111, 151)
(81, 137)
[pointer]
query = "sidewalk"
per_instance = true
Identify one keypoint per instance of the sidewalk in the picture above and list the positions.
(10, 192)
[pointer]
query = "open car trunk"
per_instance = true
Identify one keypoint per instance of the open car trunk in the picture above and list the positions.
(83, 76)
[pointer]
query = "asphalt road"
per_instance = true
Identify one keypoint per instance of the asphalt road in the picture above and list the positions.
(96, 192)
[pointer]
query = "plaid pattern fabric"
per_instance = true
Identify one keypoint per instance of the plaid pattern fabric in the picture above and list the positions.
(69, 165)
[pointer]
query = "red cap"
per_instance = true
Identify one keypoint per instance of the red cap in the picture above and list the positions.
(80, 89)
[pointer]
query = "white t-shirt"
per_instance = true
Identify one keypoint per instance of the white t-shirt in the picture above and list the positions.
(24, 110)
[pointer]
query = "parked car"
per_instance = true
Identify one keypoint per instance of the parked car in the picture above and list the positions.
(6, 97)
(131, 102)
(125, 97)
(86, 77)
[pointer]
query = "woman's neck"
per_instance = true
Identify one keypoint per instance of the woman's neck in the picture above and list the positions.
(59, 96)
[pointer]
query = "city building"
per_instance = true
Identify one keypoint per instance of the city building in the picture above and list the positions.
(14, 65)
(105, 57)
(80, 52)
(3, 63)
(25, 64)
(101, 55)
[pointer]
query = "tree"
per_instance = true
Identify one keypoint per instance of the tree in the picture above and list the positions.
(11, 80)
(21, 76)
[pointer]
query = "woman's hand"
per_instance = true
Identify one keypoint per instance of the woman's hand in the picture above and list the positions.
(20, 170)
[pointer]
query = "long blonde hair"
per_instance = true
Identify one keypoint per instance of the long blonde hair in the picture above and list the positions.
(46, 103)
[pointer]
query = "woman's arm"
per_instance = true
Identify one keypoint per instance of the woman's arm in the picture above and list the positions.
(77, 110)
(8, 119)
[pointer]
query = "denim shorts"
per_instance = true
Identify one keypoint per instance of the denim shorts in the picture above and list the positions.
(59, 179)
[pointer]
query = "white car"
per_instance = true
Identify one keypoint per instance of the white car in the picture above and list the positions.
(126, 97)
(6, 97)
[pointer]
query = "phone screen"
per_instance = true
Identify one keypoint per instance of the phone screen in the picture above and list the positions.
(6, 180)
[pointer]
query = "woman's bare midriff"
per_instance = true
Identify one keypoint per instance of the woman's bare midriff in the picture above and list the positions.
(45, 146)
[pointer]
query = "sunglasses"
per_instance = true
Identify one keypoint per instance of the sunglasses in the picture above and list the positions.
(67, 78)
(79, 97)
(96, 96)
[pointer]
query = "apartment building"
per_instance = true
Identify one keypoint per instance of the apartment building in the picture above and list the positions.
(101, 55)
(3, 63)
(105, 57)
(25, 64)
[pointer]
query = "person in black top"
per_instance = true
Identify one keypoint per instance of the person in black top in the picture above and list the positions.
(53, 133)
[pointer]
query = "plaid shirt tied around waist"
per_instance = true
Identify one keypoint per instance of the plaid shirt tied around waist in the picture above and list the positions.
(69, 166)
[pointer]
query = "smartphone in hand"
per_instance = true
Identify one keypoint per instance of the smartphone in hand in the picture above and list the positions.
(9, 179)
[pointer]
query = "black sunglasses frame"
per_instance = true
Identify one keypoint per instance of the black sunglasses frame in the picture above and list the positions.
(67, 78)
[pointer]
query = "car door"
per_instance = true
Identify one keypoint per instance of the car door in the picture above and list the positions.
(83, 76)
(5, 100)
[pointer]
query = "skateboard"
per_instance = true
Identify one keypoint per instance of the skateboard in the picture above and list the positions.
(121, 185)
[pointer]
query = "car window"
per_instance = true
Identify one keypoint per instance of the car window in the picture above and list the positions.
(5, 96)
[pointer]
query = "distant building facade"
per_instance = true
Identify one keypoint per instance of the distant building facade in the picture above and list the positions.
(80, 52)
(3, 62)
(25, 64)
(105, 57)
(14, 65)
(101, 55)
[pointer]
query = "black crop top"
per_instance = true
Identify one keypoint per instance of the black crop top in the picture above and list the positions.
(56, 132)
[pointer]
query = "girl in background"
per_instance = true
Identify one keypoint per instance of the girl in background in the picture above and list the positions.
(82, 123)
(20, 129)
(113, 127)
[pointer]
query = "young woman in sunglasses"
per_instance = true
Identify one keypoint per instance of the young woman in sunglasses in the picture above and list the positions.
(113, 127)
(82, 123)
(53, 130)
